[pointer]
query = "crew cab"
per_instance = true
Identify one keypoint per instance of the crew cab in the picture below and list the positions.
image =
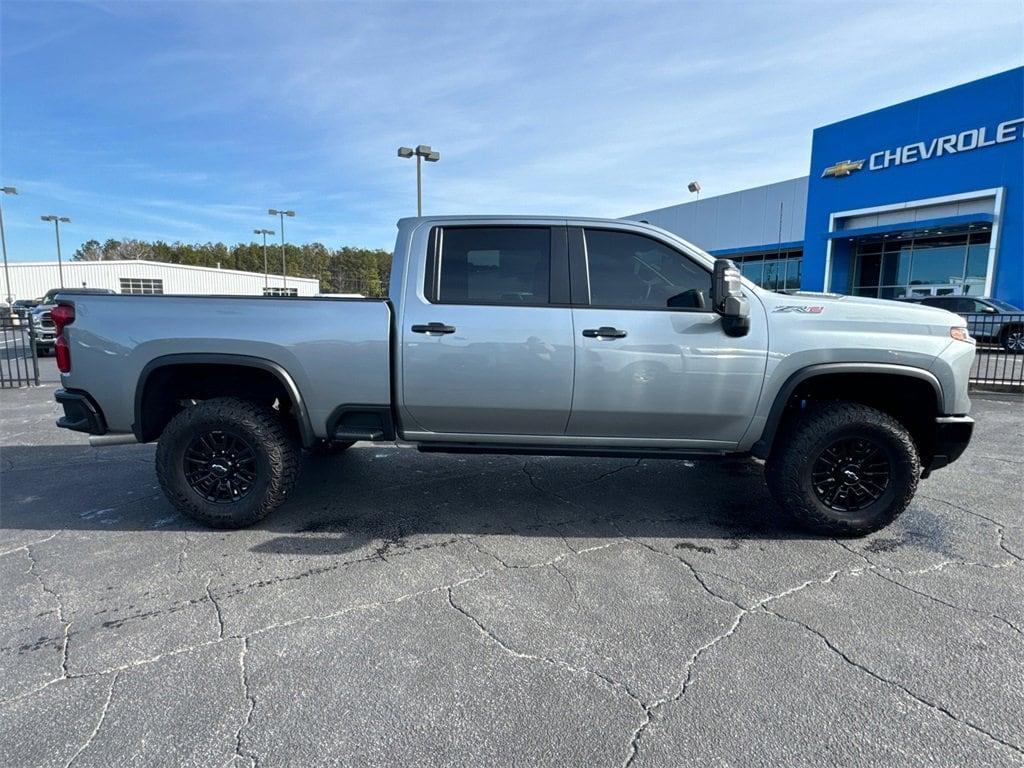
(528, 335)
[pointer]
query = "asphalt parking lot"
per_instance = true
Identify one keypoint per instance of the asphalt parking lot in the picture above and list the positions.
(408, 609)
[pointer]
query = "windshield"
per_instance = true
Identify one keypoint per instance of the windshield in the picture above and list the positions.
(1003, 305)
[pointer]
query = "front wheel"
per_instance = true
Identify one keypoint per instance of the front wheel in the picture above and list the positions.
(844, 469)
(226, 462)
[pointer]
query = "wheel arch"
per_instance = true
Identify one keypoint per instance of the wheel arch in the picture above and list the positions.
(147, 428)
(846, 377)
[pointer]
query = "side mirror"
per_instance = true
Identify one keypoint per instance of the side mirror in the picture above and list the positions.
(727, 299)
(990, 310)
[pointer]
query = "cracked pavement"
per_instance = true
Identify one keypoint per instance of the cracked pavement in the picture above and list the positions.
(408, 609)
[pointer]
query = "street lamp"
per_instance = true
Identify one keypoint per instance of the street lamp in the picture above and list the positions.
(422, 152)
(266, 271)
(57, 221)
(284, 271)
(3, 240)
(694, 186)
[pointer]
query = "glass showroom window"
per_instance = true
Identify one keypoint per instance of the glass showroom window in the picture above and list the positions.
(776, 271)
(142, 285)
(923, 266)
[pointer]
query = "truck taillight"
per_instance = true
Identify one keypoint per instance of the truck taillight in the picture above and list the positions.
(62, 315)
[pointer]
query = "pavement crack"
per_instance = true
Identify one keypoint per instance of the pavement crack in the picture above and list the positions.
(216, 608)
(611, 472)
(27, 545)
(881, 678)
(954, 606)
(537, 487)
(1000, 527)
(572, 587)
(99, 723)
(65, 624)
(493, 638)
(688, 667)
(182, 554)
(250, 700)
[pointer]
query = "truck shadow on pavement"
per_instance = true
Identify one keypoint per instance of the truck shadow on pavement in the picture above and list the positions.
(384, 497)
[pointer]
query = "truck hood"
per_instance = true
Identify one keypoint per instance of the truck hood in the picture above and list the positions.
(832, 307)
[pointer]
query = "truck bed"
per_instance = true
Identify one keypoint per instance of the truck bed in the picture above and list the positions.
(336, 351)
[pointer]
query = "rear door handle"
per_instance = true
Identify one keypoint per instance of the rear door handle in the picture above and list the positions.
(604, 332)
(433, 328)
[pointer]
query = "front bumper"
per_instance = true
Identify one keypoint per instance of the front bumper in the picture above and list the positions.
(81, 413)
(952, 434)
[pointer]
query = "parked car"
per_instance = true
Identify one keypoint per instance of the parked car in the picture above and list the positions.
(989, 320)
(528, 336)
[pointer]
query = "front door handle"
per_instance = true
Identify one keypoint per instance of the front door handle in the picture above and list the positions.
(604, 332)
(433, 328)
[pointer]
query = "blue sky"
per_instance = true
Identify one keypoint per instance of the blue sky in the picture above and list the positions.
(187, 120)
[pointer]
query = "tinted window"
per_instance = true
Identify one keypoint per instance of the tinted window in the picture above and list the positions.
(629, 270)
(504, 265)
(939, 301)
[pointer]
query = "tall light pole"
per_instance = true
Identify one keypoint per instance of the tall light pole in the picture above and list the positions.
(57, 221)
(284, 271)
(3, 240)
(422, 152)
(266, 269)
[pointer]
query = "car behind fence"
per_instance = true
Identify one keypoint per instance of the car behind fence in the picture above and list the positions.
(999, 363)
(19, 365)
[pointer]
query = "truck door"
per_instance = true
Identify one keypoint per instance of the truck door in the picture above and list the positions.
(652, 360)
(487, 341)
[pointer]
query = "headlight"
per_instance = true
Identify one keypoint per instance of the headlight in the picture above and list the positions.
(961, 334)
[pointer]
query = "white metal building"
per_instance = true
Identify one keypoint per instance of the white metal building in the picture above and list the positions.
(30, 280)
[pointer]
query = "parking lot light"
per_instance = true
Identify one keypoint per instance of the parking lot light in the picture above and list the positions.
(284, 268)
(3, 240)
(57, 221)
(266, 269)
(422, 152)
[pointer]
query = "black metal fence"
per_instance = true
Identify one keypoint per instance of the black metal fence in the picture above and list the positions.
(19, 364)
(999, 363)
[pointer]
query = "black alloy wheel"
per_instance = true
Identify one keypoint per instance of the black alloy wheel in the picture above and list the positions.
(220, 466)
(851, 474)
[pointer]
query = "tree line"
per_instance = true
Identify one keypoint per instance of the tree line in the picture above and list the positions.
(341, 270)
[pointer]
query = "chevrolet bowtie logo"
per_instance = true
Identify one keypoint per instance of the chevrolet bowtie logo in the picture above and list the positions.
(844, 168)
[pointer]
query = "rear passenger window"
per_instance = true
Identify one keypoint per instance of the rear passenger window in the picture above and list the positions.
(628, 270)
(495, 265)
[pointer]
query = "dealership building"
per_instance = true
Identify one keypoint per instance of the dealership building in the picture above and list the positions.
(32, 279)
(921, 198)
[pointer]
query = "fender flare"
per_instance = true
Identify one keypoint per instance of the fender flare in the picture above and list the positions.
(223, 358)
(762, 447)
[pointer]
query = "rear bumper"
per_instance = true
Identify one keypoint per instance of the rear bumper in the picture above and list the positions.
(952, 434)
(81, 413)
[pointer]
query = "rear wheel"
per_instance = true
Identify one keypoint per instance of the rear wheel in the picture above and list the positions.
(1012, 339)
(844, 469)
(226, 462)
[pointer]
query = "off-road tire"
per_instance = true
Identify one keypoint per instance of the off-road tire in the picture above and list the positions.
(262, 430)
(332, 447)
(788, 470)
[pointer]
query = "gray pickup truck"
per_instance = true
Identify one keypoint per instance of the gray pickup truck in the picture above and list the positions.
(528, 335)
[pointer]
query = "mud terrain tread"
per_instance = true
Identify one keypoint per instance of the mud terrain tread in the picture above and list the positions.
(267, 431)
(793, 450)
